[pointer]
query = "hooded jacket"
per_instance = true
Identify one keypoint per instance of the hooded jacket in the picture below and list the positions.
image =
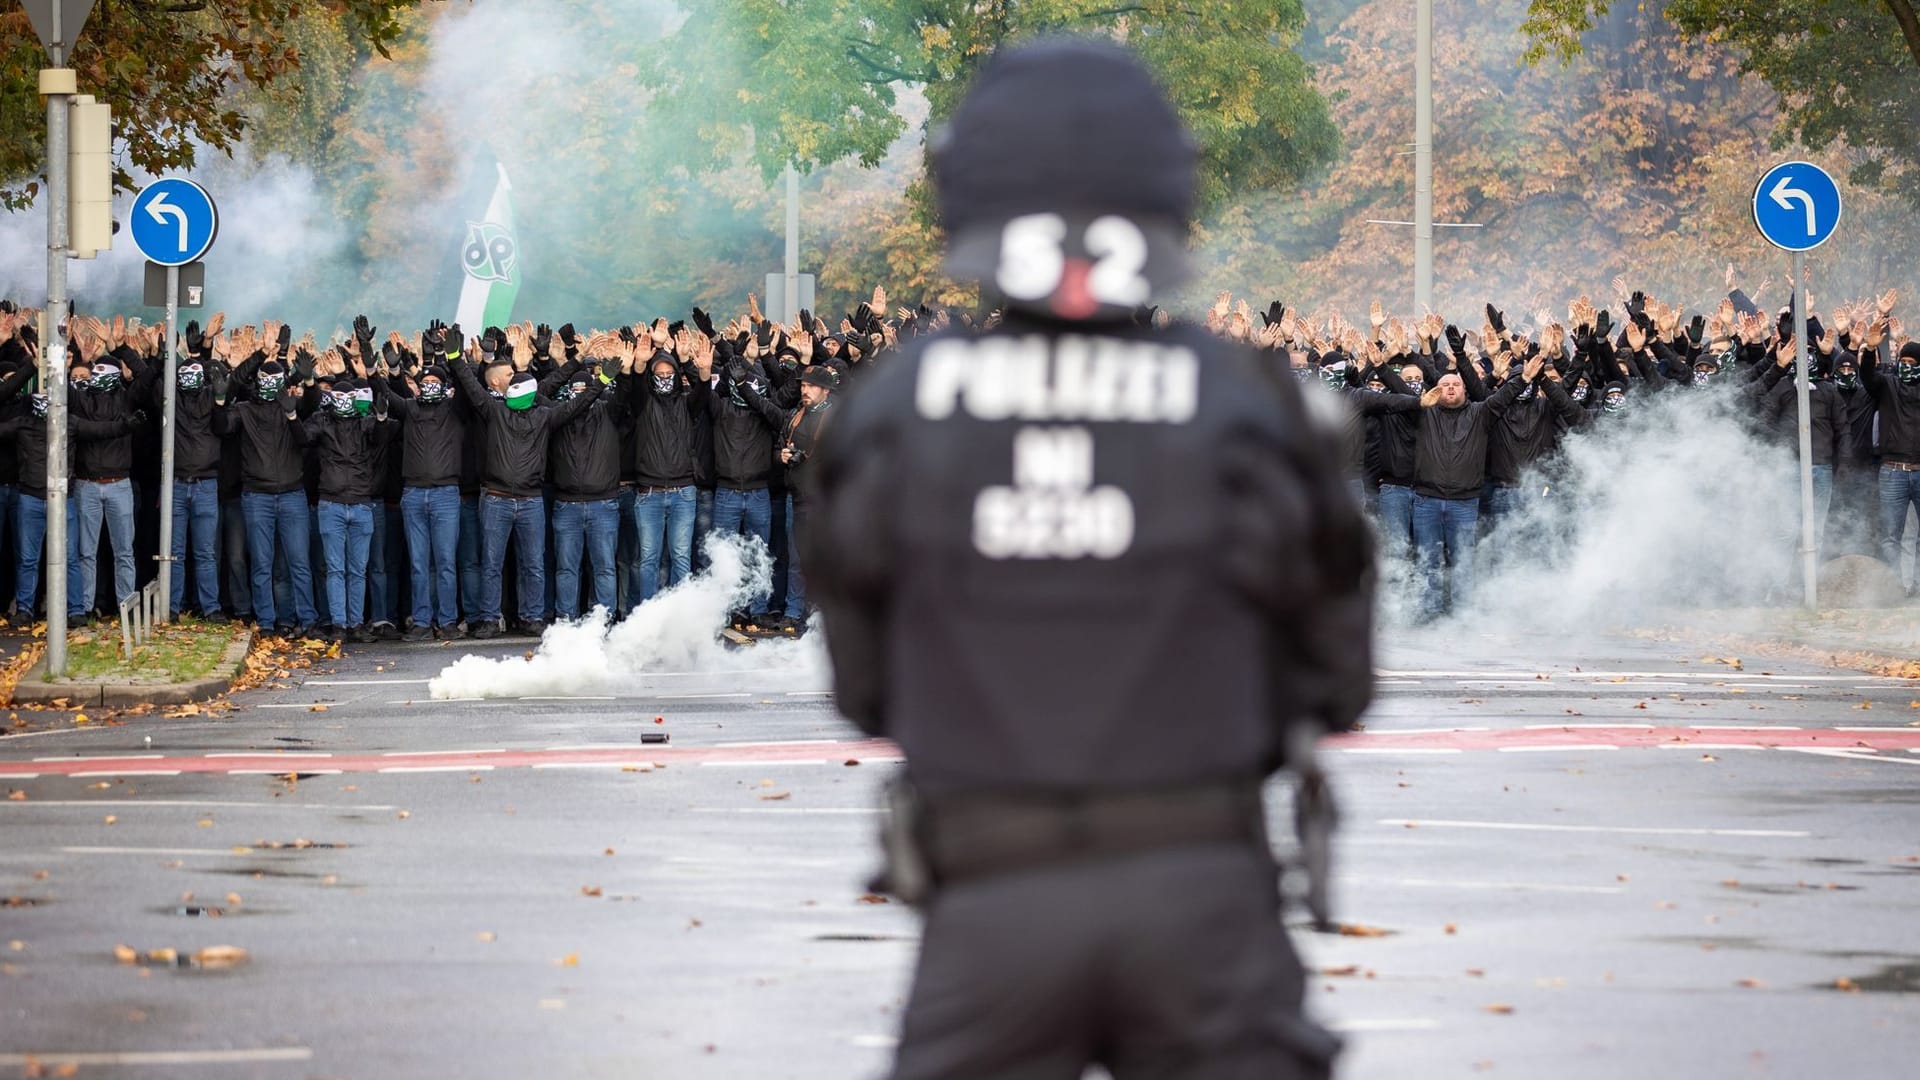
(742, 434)
(111, 455)
(1899, 404)
(432, 435)
(343, 447)
(584, 456)
(271, 457)
(665, 427)
(513, 442)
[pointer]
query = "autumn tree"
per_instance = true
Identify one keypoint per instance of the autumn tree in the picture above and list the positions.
(168, 70)
(1847, 72)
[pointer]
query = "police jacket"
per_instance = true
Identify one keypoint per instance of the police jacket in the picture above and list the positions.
(343, 449)
(585, 453)
(1899, 405)
(432, 435)
(742, 434)
(272, 459)
(1037, 548)
(513, 460)
(664, 429)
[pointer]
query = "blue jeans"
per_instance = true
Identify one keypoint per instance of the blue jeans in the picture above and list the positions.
(749, 512)
(594, 526)
(233, 559)
(1899, 489)
(468, 552)
(796, 580)
(196, 513)
(346, 535)
(111, 504)
(32, 537)
(432, 517)
(386, 555)
(1443, 529)
(525, 521)
(280, 517)
(702, 524)
(666, 521)
(1396, 519)
(627, 555)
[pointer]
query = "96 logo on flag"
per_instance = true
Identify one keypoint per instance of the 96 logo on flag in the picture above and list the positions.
(489, 254)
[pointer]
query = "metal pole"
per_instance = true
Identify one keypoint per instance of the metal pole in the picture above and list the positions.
(1423, 160)
(55, 350)
(791, 310)
(165, 555)
(1803, 385)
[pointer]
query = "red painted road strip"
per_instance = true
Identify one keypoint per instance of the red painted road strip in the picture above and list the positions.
(1572, 738)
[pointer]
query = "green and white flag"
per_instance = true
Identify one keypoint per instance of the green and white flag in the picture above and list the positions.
(490, 259)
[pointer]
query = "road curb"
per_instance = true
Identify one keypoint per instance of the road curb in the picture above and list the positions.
(1825, 654)
(36, 688)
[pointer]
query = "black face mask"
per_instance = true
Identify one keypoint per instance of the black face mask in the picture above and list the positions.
(1418, 386)
(1847, 381)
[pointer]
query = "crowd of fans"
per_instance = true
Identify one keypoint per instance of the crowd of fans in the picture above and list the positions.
(380, 488)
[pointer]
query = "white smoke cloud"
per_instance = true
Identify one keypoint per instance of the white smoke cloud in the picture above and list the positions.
(675, 631)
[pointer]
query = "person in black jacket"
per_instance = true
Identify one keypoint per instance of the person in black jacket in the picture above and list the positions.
(585, 464)
(273, 486)
(667, 407)
(196, 477)
(26, 434)
(102, 473)
(433, 441)
(342, 441)
(742, 453)
(1896, 393)
(517, 429)
(798, 434)
(1450, 469)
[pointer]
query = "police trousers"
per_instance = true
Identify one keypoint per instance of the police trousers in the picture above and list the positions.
(1169, 964)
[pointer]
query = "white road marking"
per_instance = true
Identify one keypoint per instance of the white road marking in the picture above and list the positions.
(568, 697)
(1689, 675)
(1419, 730)
(307, 705)
(786, 810)
(205, 805)
(270, 754)
(366, 682)
(690, 697)
(1395, 750)
(1550, 749)
(788, 742)
(875, 1042)
(757, 764)
(100, 757)
(607, 746)
(647, 765)
(23, 776)
(282, 772)
(437, 753)
(208, 852)
(160, 1057)
(1870, 727)
(1630, 830)
(436, 768)
(809, 693)
(1555, 727)
(1851, 755)
(1708, 746)
(1744, 727)
(1359, 1026)
(124, 772)
(1515, 886)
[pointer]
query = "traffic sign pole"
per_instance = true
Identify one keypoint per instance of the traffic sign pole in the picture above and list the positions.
(55, 353)
(165, 555)
(1809, 556)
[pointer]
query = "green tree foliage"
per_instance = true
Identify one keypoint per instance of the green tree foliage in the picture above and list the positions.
(1847, 72)
(168, 69)
(813, 82)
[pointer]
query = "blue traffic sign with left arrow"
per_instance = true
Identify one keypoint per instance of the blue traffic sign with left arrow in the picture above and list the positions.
(173, 221)
(1796, 206)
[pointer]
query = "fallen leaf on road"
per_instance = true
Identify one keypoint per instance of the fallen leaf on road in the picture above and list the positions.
(852, 761)
(233, 899)
(220, 956)
(111, 818)
(1349, 969)
(1499, 1010)
(1362, 930)
(16, 945)
(609, 851)
(403, 815)
(1708, 757)
(1642, 705)
(17, 796)
(125, 954)
(485, 935)
(636, 768)
(572, 959)
(589, 890)
(776, 796)
(553, 1004)
(1846, 984)
(80, 718)
(168, 957)
(1664, 905)
(874, 898)
(1864, 705)
(1752, 984)
(318, 708)
(1731, 883)
(1452, 928)
(205, 823)
(330, 879)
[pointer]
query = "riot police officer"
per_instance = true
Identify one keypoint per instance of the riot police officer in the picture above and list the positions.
(1094, 578)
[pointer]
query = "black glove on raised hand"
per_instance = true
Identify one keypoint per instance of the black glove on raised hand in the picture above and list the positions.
(220, 379)
(1274, 313)
(1603, 324)
(286, 339)
(456, 343)
(194, 338)
(736, 370)
(1456, 340)
(1697, 329)
(542, 339)
(303, 365)
(1496, 319)
(609, 368)
(705, 322)
(363, 329)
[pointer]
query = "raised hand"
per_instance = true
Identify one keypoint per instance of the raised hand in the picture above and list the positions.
(1884, 304)
(1377, 315)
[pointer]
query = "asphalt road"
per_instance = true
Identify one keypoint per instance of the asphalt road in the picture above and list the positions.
(1615, 859)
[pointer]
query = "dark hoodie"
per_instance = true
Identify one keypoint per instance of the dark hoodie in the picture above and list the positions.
(664, 425)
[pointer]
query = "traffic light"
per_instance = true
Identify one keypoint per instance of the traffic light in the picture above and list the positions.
(90, 224)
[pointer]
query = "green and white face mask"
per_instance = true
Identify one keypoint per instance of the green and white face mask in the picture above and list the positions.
(520, 394)
(362, 400)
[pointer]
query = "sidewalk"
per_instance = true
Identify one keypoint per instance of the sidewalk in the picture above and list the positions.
(1884, 641)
